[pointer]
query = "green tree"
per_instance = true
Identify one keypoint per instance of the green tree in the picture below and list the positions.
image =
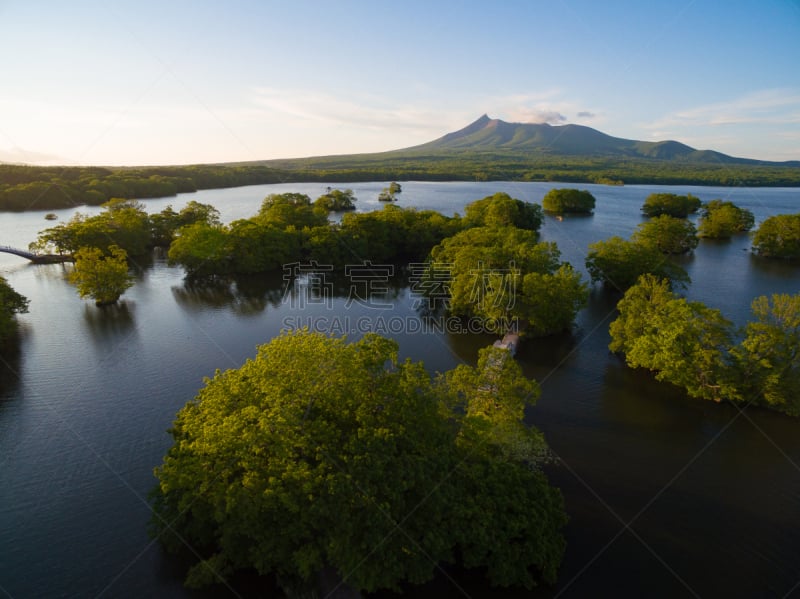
(128, 226)
(388, 193)
(284, 210)
(11, 303)
(500, 274)
(668, 234)
(501, 210)
(768, 359)
(336, 200)
(257, 248)
(618, 263)
(364, 465)
(671, 204)
(163, 226)
(568, 200)
(722, 220)
(684, 343)
(202, 250)
(778, 237)
(123, 223)
(102, 277)
(547, 303)
(197, 212)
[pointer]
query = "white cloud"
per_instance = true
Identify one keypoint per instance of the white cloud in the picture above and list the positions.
(762, 124)
(773, 106)
(316, 108)
(548, 106)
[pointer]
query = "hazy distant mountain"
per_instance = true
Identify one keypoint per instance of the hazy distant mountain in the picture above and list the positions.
(488, 134)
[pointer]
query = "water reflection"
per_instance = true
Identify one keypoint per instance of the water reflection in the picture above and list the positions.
(107, 323)
(252, 295)
(244, 296)
(780, 269)
(10, 364)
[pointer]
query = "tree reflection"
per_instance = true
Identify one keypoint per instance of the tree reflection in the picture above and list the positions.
(109, 322)
(10, 364)
(244, 295)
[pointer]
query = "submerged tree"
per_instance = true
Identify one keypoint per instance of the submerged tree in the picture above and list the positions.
(668, 234)
(501, 210)
(671, 204)
(336, 200)
(778, 237)
(619, 263)
(325, 455)
(568, 201)
(768, 359)
(684, 343)
(502, 274)
(102, 277)
(722, 220)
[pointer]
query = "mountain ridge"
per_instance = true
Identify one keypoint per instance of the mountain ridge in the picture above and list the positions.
(488, 134)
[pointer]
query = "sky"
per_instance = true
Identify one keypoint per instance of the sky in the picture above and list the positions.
(173, 82)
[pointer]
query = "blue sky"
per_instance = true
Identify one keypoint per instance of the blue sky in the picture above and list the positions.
(122, 83)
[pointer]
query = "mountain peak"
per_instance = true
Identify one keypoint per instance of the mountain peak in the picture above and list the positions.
(541, 139)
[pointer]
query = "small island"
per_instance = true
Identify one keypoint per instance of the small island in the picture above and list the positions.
(568, 201)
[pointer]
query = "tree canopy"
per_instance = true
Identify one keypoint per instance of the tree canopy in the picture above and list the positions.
(667, 234)
(671, 204)
(568, 200)
(618, 263)
(125, 224)
(684, 343)
(722, 220)
(768, 358)
(501, 210)
(502, 274)
(693, 346)
(283, 210)
(102, 277)
(778, 237)
(322, 454)
(336, 200)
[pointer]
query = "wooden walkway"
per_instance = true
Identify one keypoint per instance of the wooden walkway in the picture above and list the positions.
(36, 258)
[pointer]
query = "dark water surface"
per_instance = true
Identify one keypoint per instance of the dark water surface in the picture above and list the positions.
(667, 496)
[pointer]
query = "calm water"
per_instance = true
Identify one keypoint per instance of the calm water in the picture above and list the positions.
(667, 496)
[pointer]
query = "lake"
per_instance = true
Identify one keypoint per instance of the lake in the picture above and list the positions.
(667, 496)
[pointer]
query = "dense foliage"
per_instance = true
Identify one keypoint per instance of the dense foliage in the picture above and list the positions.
(778, 237)
(290, 228)
(768, 359)
(683, 342)
(323, 455)
(502, 275)
(125, 224)
(671, 204)
(101, 276)
(336, 200)
(568, 201)
(11, 303)
(501, 210)
(619, 263)
(667, 234)
(722, 220)
(692, 346)
(47, 188)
